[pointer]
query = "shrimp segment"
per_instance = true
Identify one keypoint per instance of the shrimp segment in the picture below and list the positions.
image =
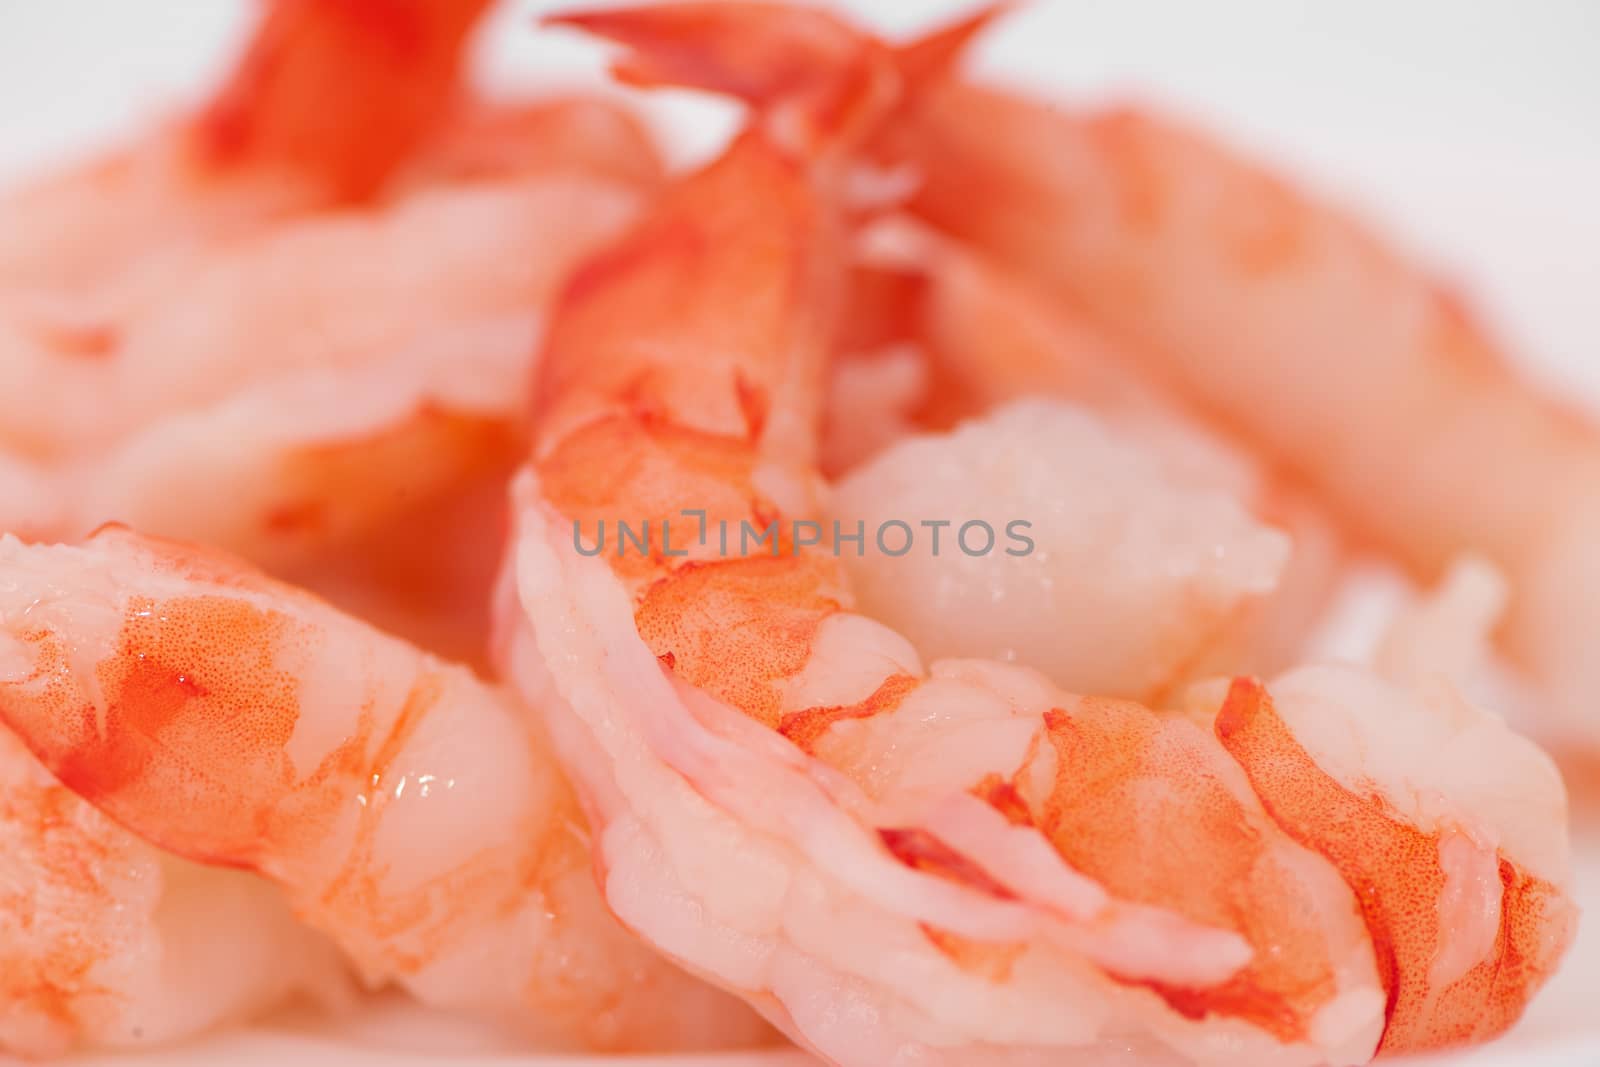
(949, 863)
(1453, 974)
(1315, 343)
(105, 942)
(406, 808)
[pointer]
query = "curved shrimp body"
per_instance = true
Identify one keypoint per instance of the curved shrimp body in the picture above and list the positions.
(105, 942)
(407, 809)
(318, 365)
(1322, 348)
(952, 863)
(342, 384)
(343, 387)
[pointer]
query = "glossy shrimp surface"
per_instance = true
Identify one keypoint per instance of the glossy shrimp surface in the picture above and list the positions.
(1326, 350)
(407, 810)
(953, 862)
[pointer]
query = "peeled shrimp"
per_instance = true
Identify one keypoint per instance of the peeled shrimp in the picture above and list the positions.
(327, 100)
(957, 863)
(1320, 346)
(985, 342)
(106, 942)
(344, 369)
(336, 377)
(408, 810)
(1137, 575)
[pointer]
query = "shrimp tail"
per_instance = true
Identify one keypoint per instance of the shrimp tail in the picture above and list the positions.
(788, 63)
(936, 53)
(379, 74)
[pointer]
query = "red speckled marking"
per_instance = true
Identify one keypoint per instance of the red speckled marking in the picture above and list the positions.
(657, 387)
(194, 685)
(1395, 872)
(806, 727)
(644, 473)
(199, 701)
(738, 627)
(1122, 778)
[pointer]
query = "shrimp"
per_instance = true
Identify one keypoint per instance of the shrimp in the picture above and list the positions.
(339, 379)
(341, 90)
(1142, 576)
(329, 97)
(335, 380)
(106, 942)
(408, 810)
(958, 863)
(1320, 346)
(986, 342)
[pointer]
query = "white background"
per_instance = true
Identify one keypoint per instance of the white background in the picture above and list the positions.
(1471, 132)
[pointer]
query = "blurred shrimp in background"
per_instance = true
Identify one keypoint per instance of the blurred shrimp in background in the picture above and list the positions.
(320, 285)
(274, 277)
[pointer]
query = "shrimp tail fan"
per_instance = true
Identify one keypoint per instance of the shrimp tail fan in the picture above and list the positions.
(819, 77)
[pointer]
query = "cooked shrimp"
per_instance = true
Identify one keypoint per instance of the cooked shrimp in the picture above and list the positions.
(342, 370)
(407, 809)
(327, 99)
(1323, 348)
(338, 372)
(953, 864)
(987, 342)
(105, 942)
(1138, 573)
(414, 283)
(342, 91)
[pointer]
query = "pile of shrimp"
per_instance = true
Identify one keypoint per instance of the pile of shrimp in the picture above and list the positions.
(855, 592)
